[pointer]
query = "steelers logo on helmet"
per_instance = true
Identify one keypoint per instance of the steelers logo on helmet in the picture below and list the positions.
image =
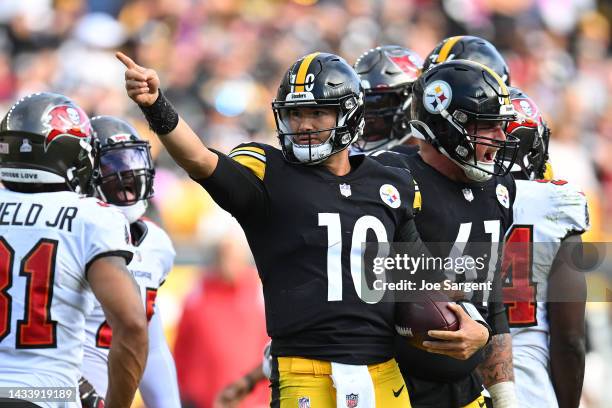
(437, 96)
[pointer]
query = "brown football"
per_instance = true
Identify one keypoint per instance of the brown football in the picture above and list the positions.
(425, 311)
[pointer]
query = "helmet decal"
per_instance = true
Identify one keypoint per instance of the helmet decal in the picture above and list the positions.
(407, 63)
(302, 81)
(437, 97)
(446, 48)
(65, 120)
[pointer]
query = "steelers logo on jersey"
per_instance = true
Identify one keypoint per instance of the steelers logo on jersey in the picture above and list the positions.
(437, 96)
(390, 195)
(502, 195)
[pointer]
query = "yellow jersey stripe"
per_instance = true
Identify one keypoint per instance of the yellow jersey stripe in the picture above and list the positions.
(250, 149)
(548, 171)
(417, 202)
(257, 167)
(446, 48)
(301, 75)
(247, 153)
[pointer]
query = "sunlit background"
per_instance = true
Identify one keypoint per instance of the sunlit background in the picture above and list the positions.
(221, 61)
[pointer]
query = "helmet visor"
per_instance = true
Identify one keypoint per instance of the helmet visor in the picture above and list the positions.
(118, 160)
(126, 175)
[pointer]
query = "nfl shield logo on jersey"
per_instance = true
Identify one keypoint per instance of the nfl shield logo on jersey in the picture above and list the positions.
(352, 400)
(502, 195)
(468, 194)
(304, 402)
(345, 189)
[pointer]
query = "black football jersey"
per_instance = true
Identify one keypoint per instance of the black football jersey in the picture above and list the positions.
(457, 219)
(302, 224)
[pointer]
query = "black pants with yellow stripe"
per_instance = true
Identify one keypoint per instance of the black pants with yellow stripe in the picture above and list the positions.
(304, 383)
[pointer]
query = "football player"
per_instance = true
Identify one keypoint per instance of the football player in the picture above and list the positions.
(387, 74)
(306, 209)
(459, 111)
(58, 250)
(124, 179)
(544, 294)
(471, 48)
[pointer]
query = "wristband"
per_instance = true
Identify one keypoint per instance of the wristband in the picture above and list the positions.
(161, 116)
(503, 395)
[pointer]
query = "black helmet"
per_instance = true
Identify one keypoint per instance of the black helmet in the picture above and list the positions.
(450, 102)
(469, 48)
(125, 172)
(387, 74)
(45, 138)
(319, 80)
(533, 134)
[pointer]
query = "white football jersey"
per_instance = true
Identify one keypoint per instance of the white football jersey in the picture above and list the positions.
(544, 214)
(47, 241)
(153, 260)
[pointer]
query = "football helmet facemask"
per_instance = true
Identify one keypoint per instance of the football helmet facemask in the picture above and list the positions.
(387, 74)
(470, 48)
(451, 102)
(319, 80)
(46, 139)
(533, 134)
(125, 173)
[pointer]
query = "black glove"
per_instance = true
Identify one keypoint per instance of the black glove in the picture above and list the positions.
(89, 396)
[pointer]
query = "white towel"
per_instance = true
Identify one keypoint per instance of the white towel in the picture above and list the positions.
(354, 386)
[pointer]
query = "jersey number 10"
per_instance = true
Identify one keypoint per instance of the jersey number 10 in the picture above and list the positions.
(334, 254)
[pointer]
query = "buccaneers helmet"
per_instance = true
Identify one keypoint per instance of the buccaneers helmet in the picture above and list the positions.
(319, 80)
(450, 102)
(469, 48)
(533, 134)
(45, 138)
(387, 74)
(125, 172)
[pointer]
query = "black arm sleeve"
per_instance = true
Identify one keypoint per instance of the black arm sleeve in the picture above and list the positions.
(497, 318)
(236, 189)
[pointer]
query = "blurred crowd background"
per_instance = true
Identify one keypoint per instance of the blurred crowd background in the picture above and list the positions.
(220, 62)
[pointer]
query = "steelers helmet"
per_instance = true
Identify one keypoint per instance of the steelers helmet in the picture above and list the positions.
(451, 102)
(387, 74)
(319, 80)
(46, 139)
(469, 48)
(533, 134)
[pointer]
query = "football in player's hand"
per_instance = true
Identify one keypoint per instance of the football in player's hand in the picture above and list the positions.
(425, 311)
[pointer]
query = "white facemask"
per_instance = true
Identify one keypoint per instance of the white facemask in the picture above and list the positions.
(306, 153)
(135, 211)
(473, 173)
(476, 174)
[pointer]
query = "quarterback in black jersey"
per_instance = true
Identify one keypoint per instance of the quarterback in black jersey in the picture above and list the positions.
(306, 209)
(458, 111)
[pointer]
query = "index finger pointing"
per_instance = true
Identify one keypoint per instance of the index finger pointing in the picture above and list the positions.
(125, 60)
